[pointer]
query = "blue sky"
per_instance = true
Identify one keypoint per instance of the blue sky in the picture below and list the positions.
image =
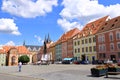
(31, 20)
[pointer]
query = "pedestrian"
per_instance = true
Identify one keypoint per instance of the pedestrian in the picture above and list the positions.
(20, 66)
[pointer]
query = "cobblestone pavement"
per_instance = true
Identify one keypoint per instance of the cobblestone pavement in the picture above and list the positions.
(55, 72)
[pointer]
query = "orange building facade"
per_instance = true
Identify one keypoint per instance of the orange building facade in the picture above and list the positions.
(13, 53)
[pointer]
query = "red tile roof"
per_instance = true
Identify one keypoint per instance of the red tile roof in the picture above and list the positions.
(2, 51)
(110, 24)
(21, 49)
(68, 35)
(7, 48)
(91, 28)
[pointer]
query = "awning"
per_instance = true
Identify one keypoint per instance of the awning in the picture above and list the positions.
(67, 58)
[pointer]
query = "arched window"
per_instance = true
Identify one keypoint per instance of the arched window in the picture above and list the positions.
(111, 46)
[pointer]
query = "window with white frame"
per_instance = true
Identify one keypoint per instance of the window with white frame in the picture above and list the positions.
(75, 50)
(103, 47)
(103, 38)
(111, 36)
(111, 46)
(118, 45)
(117, 35)
(99, 38)
(100, 48)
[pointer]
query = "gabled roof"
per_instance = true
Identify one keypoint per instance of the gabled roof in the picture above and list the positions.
(110, 24)
(91, 28)
(32, 47)
(68, 35)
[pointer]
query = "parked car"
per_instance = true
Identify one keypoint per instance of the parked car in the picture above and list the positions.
(66, 62)
(58, 62)
(84, 62)
(77, 62)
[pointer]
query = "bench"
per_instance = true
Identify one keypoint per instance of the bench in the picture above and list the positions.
(111, 73)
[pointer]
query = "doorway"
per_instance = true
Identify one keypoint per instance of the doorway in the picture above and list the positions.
(113, 58)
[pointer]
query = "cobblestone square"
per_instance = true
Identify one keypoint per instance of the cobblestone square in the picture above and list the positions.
(55, 72)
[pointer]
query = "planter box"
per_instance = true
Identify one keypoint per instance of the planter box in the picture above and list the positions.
(113, 69)
(98, 72)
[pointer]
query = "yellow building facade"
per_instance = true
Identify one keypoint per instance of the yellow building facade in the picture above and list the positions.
(85, 46)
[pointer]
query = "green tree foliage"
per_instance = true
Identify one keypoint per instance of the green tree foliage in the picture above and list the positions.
(24, 59)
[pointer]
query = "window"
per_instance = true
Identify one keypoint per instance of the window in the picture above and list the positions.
(99, 38)
(82, 41)
(100, 48)
(103, 47)
(117, 35)
(118, 45)
(94, 39)
(103, 38)
(111, 36)
(90, 49)
(75, 50)
(89, 40)
(102, 55)
(78, 42)
(111, 46)
(94, 48)
(86, 41)
(78, 50)
(75, 43)
(118, 54)
(86, 49)
(82, 49)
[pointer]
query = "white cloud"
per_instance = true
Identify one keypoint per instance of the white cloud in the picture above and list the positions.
(38, 38)
(8, 26)
(83, 11)
(66, 25)
(10, 43)
(28, 8)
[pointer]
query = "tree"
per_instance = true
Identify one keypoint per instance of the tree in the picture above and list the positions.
(24, 59)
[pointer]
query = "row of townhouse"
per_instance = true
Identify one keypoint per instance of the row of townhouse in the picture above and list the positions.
(98, 40)
(9, 55)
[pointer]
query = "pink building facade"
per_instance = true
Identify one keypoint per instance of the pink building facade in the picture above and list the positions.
(108, 40)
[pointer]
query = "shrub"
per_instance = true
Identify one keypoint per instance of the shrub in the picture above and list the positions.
(24, 59)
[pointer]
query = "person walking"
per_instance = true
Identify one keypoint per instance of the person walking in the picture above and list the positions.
(20, 66)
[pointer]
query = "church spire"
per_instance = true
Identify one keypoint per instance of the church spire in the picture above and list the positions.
(48, 39)
(24, 43)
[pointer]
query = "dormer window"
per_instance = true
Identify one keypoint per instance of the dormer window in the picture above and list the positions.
(102, 28)
(113, 25)
(105, 23)
(116, 20)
